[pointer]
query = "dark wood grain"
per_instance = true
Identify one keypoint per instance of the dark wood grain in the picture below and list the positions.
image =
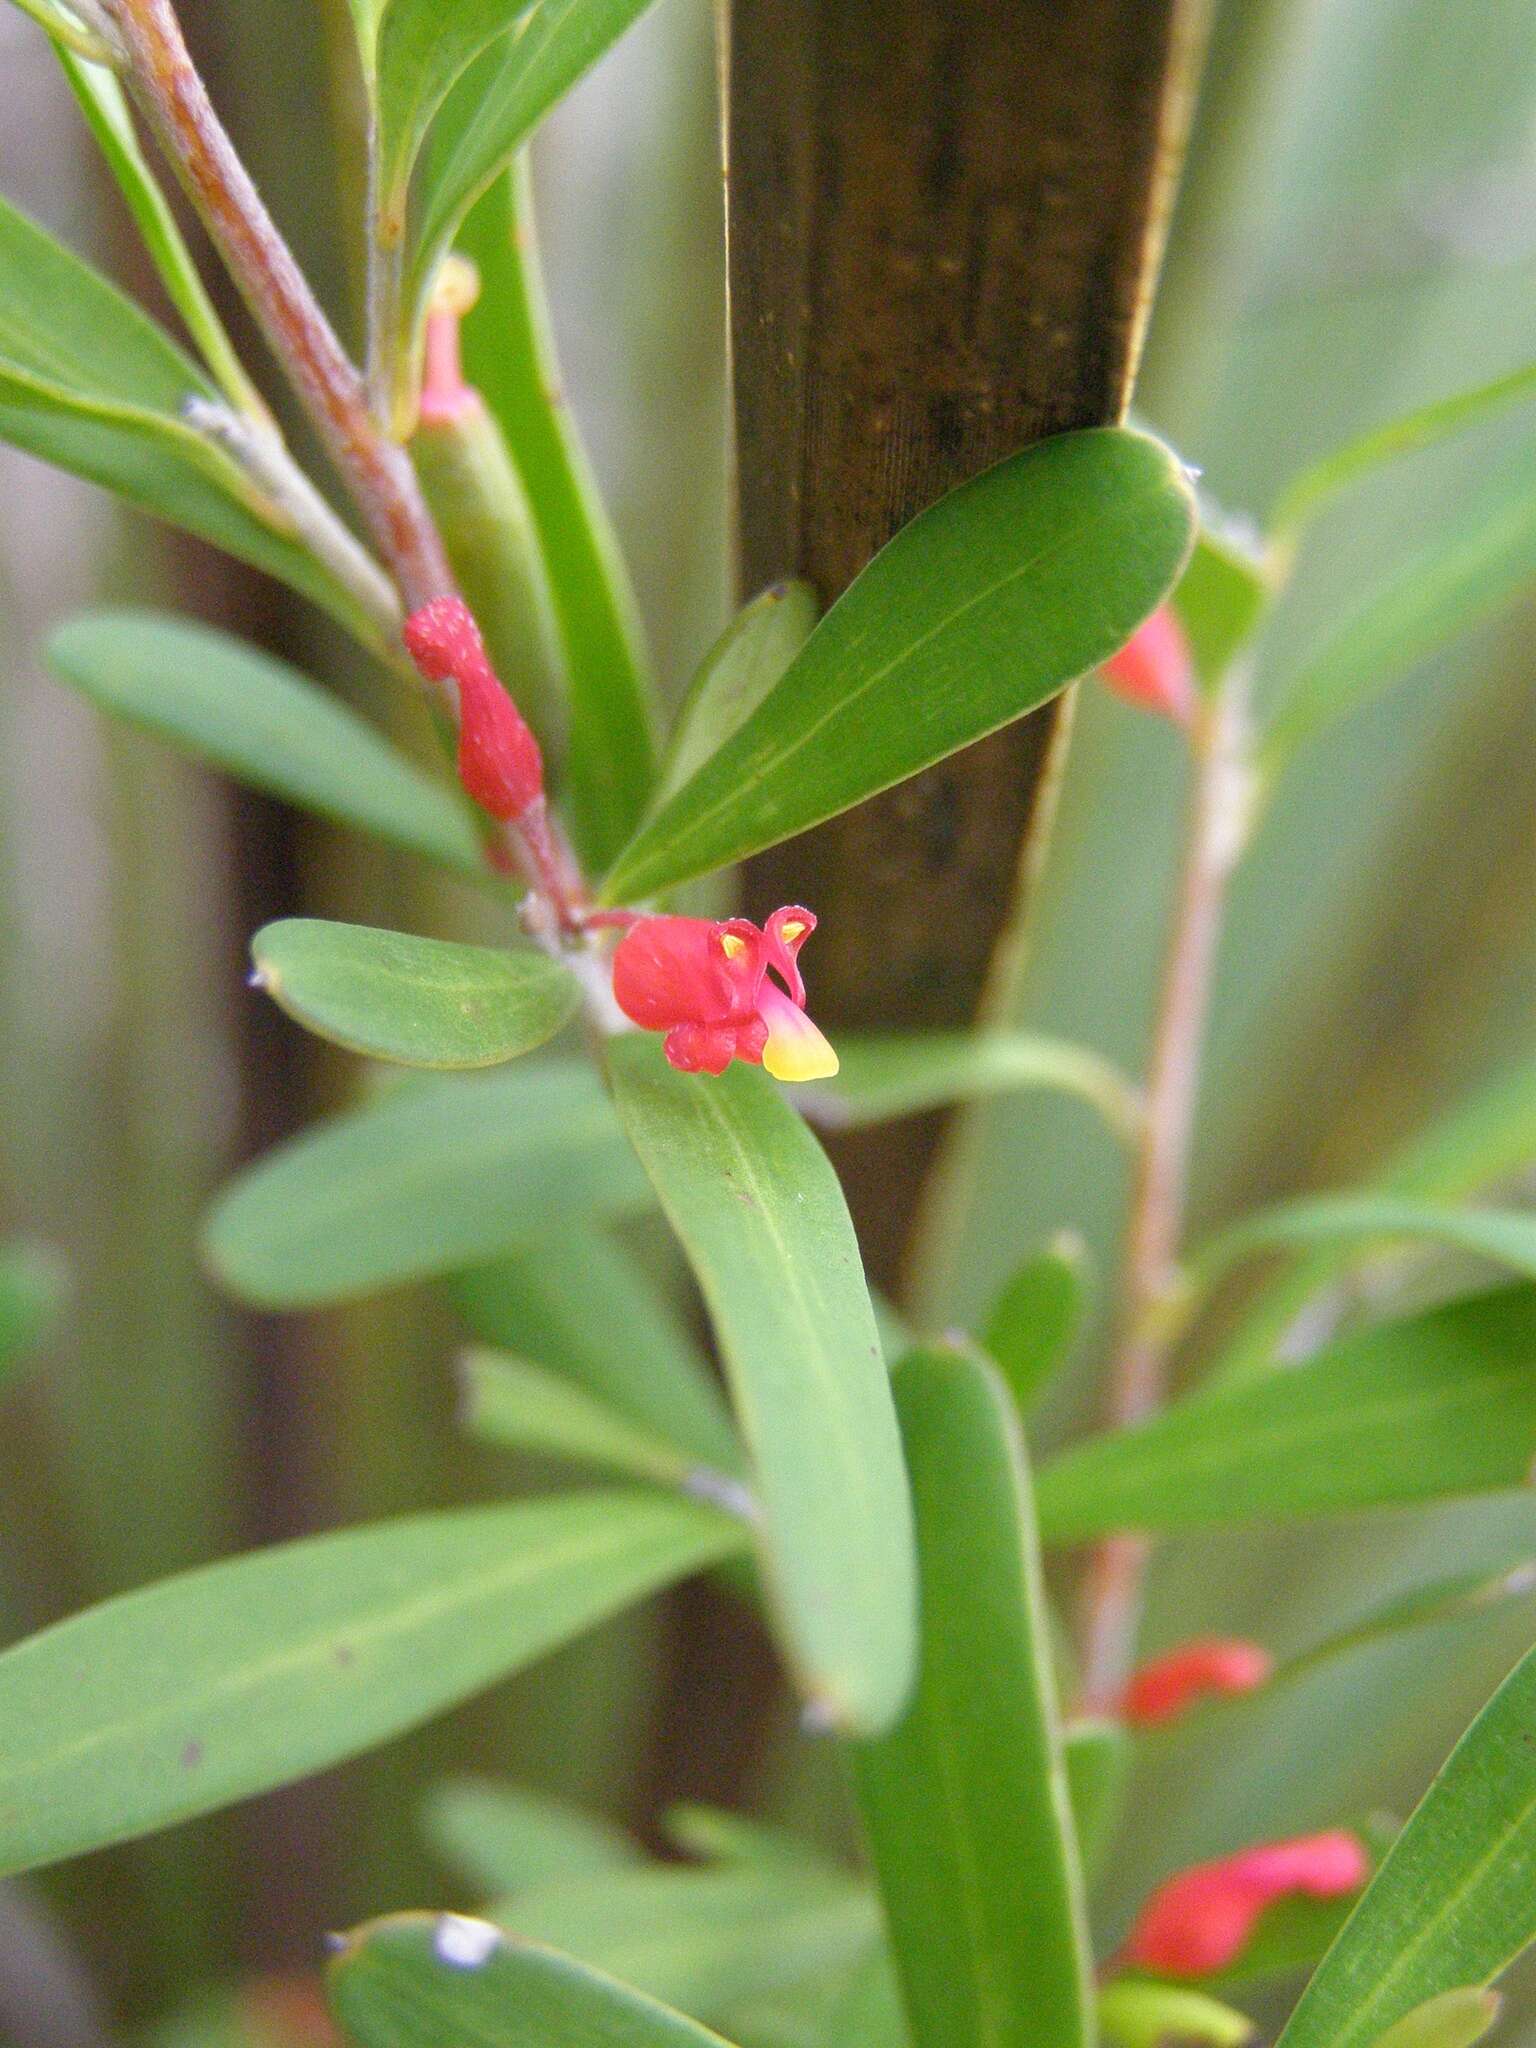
(944, 219)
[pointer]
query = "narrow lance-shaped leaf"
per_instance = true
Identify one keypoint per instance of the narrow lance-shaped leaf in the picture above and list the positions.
(265, 724)
(422, 48)
(1455, 1599)
(1032, 1323)
(1435, 1406)
(424, 1002)
(224, 1682)
(88, 382)
(1505, 1236)
(986, 605)
(503, 1838)
(965, 1802)
(437, 1174)
(508, 1401)
(879, 1078)
(1452, 1904)
(762, 1219)
(420, 1980)
(734, 677)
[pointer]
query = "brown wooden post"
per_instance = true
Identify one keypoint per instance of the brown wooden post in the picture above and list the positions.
(945, 217)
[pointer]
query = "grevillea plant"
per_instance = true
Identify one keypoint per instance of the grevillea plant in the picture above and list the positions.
(865, 1486)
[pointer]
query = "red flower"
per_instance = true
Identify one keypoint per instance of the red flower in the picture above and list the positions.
(1201, 1920)
(1164, 1688)
(1154, 669)
(707, 986)
(499, 760)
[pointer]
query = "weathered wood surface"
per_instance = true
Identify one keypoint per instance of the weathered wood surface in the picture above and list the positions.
(945, 217)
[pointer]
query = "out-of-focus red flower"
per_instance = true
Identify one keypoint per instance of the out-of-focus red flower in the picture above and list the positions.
(711, 988)
(499, 760)
(289, 2012)
(1167, 1686)
(1154, 669)
(1201, 1920)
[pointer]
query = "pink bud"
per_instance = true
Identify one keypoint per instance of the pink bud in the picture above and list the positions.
(499, 760)
(1167, 1686)
(1202, 1920)
(1154, 669)
(445, 397)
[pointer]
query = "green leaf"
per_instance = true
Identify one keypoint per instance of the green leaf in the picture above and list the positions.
(503, 1838)
(105, 107)
(1310, 492)
(494, 111)
(89, 383)
(1505, 1236)
(509, 355)
(1481, 562)
(879, 1078)
(1097, 1757)
(1454, 2019)
(762, 1219)
(705, 1940)
(715, 1834)
(507, 1401)
(263, 723)
(1034, 1320)
(366, 16)
(1221, 598)
(1452, 1599)
(965, 1802)
(423, 47)
(33, 1286)
(575, 1301)
(733, 679)
(437, 1174)
(1452, 1903)
(1133, 2014)
(224, 1682)
(1487, 1136)
(422, 1980)
(1439, 1405)
(986, 605)
(424, 1002)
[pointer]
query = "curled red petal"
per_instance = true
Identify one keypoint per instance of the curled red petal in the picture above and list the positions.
(1202, 1920)
(1154, 670)
(1167, 1686)
(682, 970)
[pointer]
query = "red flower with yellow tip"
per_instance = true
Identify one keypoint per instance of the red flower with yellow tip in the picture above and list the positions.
(723, 991)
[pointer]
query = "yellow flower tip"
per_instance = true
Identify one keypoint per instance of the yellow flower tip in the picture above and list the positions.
(796, 1050)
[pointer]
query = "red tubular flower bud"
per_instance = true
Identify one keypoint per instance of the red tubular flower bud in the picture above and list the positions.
(1154, 670)
(499, 760)
(1202, 1920)
(707, 986)
(1167, 1686)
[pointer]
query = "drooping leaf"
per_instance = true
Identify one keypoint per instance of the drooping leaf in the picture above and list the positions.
(1454, 2019)
(1483, 559)
(509, 355)
(986, 605)
(435, 1175)
(1221, 598)
(1133, 2014)
(422, 1980)
(263, 723)
(508, 1401)
(423, 1002)
(1097, 1756)
(879, 1078)
(704, 1939)
(576, 1301)
(503, 1838)
(734, 677)
(224, 1682)
(1034, 1320)
(495, 109)
(1323, 481)
(33, 1285)
(1484, 1138)
(965, 1802)
(88, 382)
(1452, 1904)
(762, 1219)
(1437, 1405)
(1507, 1237)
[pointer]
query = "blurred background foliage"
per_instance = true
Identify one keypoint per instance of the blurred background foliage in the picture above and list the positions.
(1357, 235)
